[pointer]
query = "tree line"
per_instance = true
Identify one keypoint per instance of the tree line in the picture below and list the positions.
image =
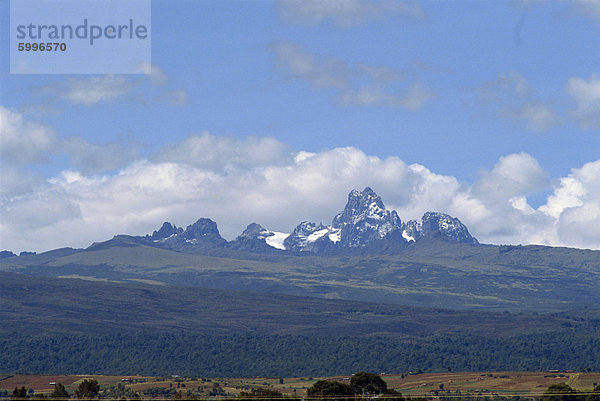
(362, 386)
(87, 389)
(564, 392)
(239, 355)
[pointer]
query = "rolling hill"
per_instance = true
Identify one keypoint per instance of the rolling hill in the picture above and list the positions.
(432, 272)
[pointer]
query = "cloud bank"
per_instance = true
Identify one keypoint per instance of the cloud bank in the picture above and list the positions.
(90, 91)
(238, 181)
(511, 97)
(586, 94)
(345, 13)
(355, 84)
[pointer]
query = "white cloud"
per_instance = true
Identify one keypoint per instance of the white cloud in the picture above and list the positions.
(500, 212)
(39, 209)
(320, 71)
(588, 8)
(23, 141)
(16, 182)
(157, 75)
(512, 98)
(536, 116)
(223, 153)
(580, 226)
(586, 94)
(380, 73)
(237, 181)
(506, 86)
(513, 176)
(345, 13)
(98, 158)
(413, 98)
(575, 204)
(177, 97)
(90, 91)
(359, 84)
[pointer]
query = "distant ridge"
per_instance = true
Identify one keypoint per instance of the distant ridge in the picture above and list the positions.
(366, 254)
(364, 223)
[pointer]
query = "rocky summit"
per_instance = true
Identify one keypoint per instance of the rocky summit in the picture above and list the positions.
(434, 224)
(255, 238)
(201, 236)
(365, 224)
(365, 219)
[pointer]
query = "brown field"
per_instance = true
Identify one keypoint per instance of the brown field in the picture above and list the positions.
(41, 383)
(497, 383)
(501, 383)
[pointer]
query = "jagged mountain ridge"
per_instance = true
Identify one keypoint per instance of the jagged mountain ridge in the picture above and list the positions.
(201, 236)
(364, 222)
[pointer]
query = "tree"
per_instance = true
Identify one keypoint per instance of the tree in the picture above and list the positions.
(60, 391)
(364, 383)
(88, 388)
(595, 396)
(262, 393)
(330, 390)
(19, 393)
(395, 395)
(560, 392)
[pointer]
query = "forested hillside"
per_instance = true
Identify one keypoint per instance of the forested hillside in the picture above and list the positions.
(243, 355)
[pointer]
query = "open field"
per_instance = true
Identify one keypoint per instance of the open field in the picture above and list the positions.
(41, 383)
(68, 305)
(500, 383)
(427, 384)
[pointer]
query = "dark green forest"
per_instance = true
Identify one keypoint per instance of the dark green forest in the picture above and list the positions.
(294, 355)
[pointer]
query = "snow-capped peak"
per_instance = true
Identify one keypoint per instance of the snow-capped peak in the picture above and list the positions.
(436, 224)
(364, 219)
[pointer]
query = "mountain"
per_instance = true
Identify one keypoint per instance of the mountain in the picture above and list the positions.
(167, 230)
(365, 219)
(201, 236)
(441, 225)
(366, 254)
(6, 254)
(256, 238)
(364, 224)
(431, 272)
(311, 237)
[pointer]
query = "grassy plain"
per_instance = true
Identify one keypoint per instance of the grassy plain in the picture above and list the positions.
(431, 273)
(428, 384)
(36, 304)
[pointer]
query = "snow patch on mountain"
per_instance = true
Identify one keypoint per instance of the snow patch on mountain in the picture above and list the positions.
(407, 237)
(335, 235)
(318, 234)
(276, 239)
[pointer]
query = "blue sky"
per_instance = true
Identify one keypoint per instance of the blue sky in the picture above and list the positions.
(487, 110)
